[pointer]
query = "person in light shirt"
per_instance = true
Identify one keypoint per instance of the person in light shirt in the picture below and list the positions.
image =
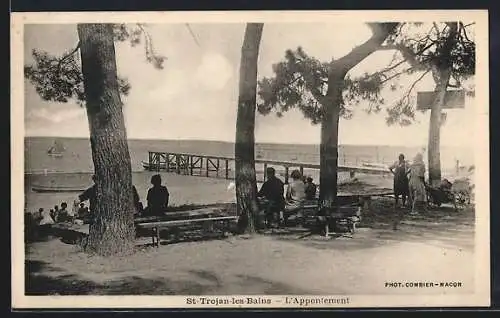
(296, 192)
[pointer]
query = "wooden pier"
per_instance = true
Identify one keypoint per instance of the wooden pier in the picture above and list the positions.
(223, 167)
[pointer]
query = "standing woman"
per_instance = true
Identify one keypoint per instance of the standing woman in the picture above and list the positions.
(417, 184)
(400, 170)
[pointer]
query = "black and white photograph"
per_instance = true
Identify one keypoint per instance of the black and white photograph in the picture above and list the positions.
(250, 159)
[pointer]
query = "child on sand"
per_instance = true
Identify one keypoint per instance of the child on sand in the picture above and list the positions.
(64, 214)
(53, 214)
(46, 217)
(82, 211)
(45, 223)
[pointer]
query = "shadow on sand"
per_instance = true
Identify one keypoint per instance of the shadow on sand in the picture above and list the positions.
(443, 227)
(42, 279)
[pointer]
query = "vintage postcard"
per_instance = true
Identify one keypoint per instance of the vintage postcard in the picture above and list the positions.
(333, 159)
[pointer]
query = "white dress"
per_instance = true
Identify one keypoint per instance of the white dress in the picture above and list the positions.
(46, 218)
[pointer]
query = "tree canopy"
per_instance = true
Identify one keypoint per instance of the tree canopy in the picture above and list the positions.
(60, 79)
(300, 81)
(420, 49)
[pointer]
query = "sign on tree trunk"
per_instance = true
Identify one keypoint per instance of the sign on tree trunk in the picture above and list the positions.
(452, 99)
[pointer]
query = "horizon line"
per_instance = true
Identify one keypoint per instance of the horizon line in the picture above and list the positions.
(225, 141)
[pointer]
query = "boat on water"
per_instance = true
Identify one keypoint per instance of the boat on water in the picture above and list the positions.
(375, 165)
(57, 149)
(46, 189)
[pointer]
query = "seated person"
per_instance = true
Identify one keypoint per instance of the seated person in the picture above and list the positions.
(272, 190)
(53, 214)
(46, 218)
(82, 211)
(310, 189)
(90, 194)
(296, 192)
(63, 214)
(157, 198)
(445, 185)
(137, 201)
(70, 213)
(56, 212)
(442, 193)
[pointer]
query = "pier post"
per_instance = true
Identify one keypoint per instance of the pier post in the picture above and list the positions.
(158, 162)
(218, 166)
(301, 171)
(286, 174)
(178, 163)
(191, 165)
(207, 172)
(265, 172)
(167, 161)
(227, 169)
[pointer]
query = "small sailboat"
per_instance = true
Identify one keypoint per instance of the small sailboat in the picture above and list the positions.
(57, 149)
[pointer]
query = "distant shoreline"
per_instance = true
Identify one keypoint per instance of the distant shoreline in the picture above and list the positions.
(78, 153)
(257, 143)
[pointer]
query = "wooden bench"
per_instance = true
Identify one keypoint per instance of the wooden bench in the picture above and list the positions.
(346, 216)
(180, 215)
(207, 222)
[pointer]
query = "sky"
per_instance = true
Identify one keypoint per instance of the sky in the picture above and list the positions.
(195, 95)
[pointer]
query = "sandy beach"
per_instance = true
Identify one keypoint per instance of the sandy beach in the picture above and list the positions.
(287, 261)
(290, 261)
(184, 190)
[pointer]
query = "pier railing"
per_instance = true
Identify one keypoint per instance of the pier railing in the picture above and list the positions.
(223, 167)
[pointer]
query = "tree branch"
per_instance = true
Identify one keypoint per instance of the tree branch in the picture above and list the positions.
(408, 55)
(417, 80)
(436, 28)
(359, 53)
(463, 29)
(396, 75)
(309, 83)
(65, 57)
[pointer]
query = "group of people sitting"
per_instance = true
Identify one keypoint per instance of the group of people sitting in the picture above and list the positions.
(157, 198)
(157, 202)
(276, 203)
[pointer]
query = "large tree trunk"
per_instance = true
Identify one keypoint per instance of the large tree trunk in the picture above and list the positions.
(246, 182)
(434, 156)
(329, 143)
(331, 105)
(442, 73)
(113, 230)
